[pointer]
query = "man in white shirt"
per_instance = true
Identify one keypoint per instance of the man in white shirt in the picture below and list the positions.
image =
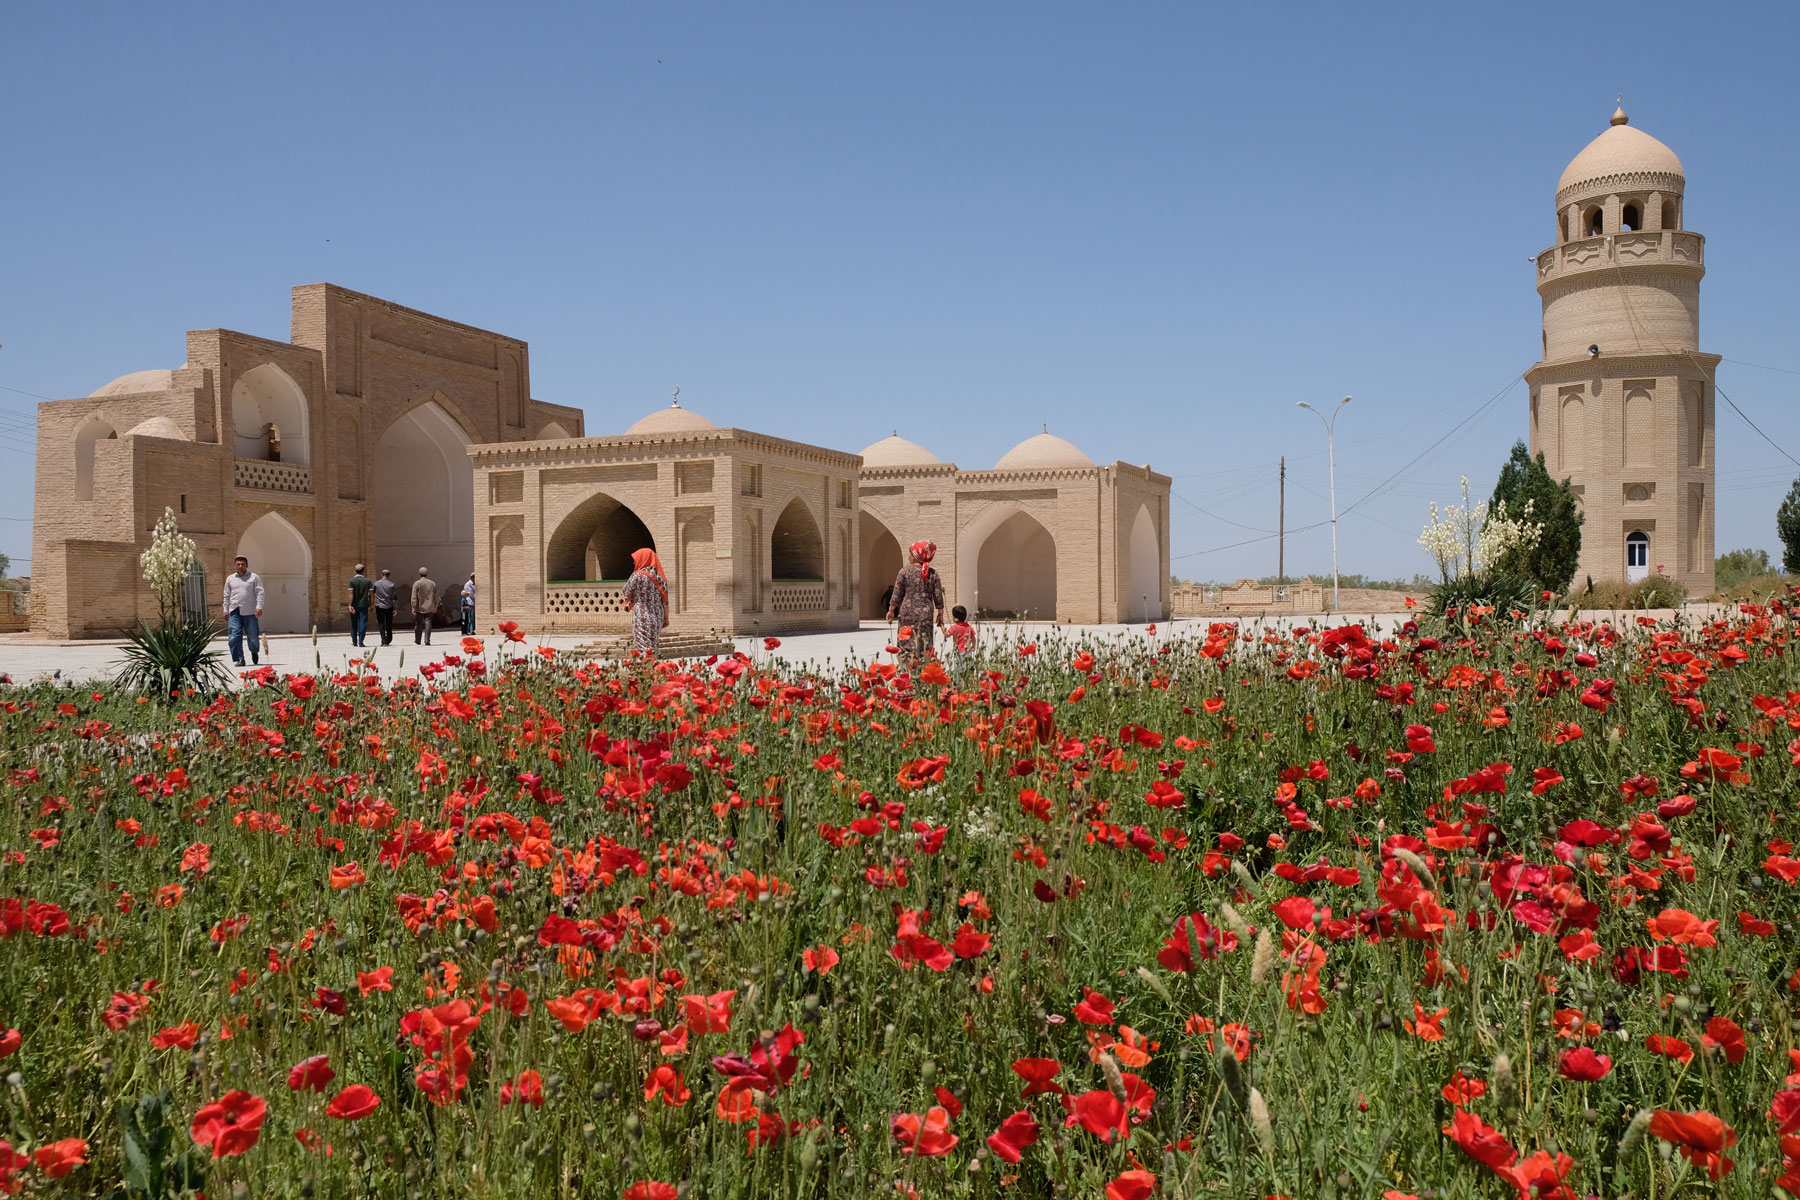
(243, 610)
(468, 606)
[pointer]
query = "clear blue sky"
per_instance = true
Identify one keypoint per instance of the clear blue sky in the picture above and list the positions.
(1155, 227)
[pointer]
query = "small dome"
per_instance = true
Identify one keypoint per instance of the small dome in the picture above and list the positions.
(673, 419)
(157, 427)
(1043, 452)
(1621, 150)
(896, 451)
(136, 382)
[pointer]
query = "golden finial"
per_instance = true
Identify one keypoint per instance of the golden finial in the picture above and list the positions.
(1619, 117)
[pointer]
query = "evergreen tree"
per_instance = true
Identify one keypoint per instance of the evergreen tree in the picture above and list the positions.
(1787, 524)
(1550, 562)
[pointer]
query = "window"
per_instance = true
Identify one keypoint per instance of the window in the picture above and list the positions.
(1637, 551)
(184, 502)
(752, 480)
(1593, 222)
(1631, 220)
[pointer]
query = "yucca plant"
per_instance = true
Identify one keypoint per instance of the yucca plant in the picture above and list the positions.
(178, 653)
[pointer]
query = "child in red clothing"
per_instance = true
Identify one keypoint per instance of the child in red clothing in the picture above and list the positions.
(961, 634)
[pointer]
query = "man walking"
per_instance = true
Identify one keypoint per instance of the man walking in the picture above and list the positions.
(468, 606)
(361, 592)
(387, 594)
(243, 610)
(424, 605)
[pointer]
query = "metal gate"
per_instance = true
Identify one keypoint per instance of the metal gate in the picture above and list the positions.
(194, 606)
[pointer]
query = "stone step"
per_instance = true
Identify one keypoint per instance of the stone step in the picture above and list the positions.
(672, 644)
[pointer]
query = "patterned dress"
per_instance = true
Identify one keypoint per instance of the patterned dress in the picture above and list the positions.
(918, 602)
(648, 610)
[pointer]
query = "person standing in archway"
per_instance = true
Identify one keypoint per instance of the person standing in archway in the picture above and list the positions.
(387, 595)
(243, 611)
(647, 599)
(468, 606)
(918, 604)
(424, 605)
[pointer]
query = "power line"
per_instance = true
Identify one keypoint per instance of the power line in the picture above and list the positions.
(1759, 366)
(1454, 430)
(1215, 516)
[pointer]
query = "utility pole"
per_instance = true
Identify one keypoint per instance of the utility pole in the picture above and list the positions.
(1281, 529)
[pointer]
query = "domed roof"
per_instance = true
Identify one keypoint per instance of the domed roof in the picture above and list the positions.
(158, 427)
(1621, 150)
(136, 382)
(673, 419)
(896, 451)
(1043, 452)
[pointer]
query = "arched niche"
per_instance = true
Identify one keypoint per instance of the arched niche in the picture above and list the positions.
(881, 562)
(796, 550)
(1145, 600)
(93, 430)
(1014, 560)
(595, 542)
(553, 432)
(281, 556)
(268, 409)
(424, 497)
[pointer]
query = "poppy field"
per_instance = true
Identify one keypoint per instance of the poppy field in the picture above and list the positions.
(1472, 909)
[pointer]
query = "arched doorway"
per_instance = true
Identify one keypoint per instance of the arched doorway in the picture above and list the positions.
(281, 556)
(881, 561)
(595, 541)
(1637, 555)
(94, 429)
(268, 411)
(1145, 601)
(1015, 571)
(424, 498)
(796, 551)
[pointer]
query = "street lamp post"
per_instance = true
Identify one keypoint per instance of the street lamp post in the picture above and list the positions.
(1331, 457)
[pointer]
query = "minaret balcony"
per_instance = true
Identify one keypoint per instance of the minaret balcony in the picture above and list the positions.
(1668, 248)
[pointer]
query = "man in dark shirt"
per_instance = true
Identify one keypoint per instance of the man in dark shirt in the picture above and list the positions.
(362, 590)
(387, 594)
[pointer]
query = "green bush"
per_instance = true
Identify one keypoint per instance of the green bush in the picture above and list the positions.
(1734, 568)
(1658, 591)
(176, 655)
(1503, 593)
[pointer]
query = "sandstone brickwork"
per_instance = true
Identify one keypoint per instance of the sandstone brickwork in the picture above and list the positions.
(1623, 402)
(342, 445)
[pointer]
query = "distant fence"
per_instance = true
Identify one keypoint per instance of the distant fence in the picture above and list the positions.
(1246, 596)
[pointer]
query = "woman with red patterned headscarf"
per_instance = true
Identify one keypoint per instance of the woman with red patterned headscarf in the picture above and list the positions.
(918, 604)
(647, 599)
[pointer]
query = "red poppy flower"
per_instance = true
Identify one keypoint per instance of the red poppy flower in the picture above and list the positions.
(1724, 1035)
(353, 1103)
(969, 942)
(1132, 1185)
(1754, 925)
(1039, 1075)
(379, 980)
(1427, 1028)
(708, 1014)
(1682, 927)
(59, 1158)
(230, 1124)
(1015, 1133)
(821, 959)
(528, 1088)
(927, 1136)
(10, 1163)
(311, 1074)
(1296, 912)
(175, 1036)
(1583, 1065)
(1480, 1141)
(1462, 1090)
(645, 1189)
(1701, 1137)
(1094, 1009)
(1100, 1113)
(665, 1081)
(1670, 1047)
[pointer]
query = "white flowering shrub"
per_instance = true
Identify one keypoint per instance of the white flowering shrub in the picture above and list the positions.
(1473, 538)
(166, 562)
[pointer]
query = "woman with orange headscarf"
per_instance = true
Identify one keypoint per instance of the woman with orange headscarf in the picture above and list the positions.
(647, 599)
(918, 603)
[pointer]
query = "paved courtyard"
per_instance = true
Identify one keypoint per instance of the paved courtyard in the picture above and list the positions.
(26, 658)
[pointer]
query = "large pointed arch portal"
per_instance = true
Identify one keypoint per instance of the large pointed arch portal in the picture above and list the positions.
(424, 498)
(881, 562)
(280, 555)
(1014, 560)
